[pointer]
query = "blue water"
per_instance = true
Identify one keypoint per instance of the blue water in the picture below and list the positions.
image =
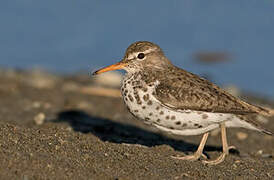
(68, 35)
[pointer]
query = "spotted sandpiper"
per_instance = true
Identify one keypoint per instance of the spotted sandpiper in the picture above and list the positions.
(179, 102)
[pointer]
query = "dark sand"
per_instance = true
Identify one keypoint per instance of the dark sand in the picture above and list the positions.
(92, 137)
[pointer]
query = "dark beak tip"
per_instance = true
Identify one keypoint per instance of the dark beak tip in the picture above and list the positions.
(94, 73)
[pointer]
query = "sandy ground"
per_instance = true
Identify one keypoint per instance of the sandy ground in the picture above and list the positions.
(50, 130)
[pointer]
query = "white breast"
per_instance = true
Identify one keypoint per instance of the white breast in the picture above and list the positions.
(143, 104)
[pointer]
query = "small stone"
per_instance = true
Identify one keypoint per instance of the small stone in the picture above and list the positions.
(260, 152)
(241, 135)
(36, 104)
(39, 119)
(237, 161)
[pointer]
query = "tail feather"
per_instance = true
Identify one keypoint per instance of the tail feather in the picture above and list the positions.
(267, 132)
(264, 111)
(253, 124)
(260, 128)
(260, 110)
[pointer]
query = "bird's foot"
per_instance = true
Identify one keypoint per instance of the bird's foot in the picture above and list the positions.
(220, 159)
(192, 157)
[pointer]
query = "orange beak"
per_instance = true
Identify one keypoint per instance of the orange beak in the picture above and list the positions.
(116, 66)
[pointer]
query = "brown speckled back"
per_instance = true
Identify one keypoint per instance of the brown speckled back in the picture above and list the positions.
(183, 90)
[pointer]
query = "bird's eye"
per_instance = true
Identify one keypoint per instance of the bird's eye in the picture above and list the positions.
(141, 56)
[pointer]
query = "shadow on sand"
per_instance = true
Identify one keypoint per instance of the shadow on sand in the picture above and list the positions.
(115, 132)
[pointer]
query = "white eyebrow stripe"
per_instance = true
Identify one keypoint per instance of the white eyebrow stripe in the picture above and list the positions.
(134, 55)
(149, 50)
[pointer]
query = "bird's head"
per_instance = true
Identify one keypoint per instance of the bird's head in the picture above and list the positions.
(139, 55)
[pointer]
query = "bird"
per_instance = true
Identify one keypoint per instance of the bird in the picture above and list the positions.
(180, 102)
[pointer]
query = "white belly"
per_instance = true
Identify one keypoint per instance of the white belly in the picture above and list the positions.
(142, 104)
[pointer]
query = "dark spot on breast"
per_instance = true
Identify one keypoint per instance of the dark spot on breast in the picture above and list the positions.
(145, 89)
(184, 124)
(128, 108)
(146, 97)
(137, 97)
(178, 123)
(196, 124)
(200, 126)
(143, 107)
(162, 112)
(130, 98)
(158, 107)
(150, 114)
(126, 99)
(204, 116)
(136, 111)
(171, 127)
(158, 120)
(173, 117)
(167, 117)
(149, 102)
(147, 119)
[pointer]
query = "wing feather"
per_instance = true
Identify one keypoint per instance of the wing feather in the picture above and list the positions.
(184, 90)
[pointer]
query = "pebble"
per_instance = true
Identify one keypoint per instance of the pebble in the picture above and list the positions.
(39, 119)
(241, 135)
(36, 104)
(260, 152)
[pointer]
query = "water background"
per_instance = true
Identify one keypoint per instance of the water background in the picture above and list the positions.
(67, 36)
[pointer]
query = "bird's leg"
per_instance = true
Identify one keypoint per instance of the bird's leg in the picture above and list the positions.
(198, 153)
(226, 148)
